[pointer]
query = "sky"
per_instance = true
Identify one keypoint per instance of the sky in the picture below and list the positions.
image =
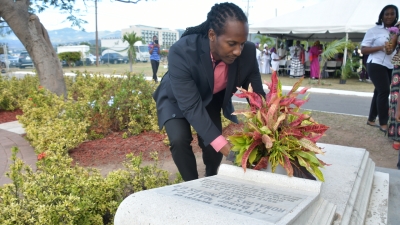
(172, 14)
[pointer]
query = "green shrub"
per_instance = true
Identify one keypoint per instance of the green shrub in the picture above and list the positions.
(70, 57)
(58, 193)
(116, 103)
(14, 90)
(51, 123)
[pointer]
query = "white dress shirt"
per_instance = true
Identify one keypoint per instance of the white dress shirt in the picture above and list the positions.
(377, 36)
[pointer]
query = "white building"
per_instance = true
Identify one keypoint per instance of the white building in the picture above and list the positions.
(166, 37)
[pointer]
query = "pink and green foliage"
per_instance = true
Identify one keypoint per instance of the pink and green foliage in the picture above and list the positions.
(276, 132)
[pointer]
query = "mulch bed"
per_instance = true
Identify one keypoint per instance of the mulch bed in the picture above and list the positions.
(9, 116)
(113, 148)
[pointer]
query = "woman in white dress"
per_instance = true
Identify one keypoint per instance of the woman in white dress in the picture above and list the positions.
(263, 61)
(258, 56)
(274, 60)
(268, 64)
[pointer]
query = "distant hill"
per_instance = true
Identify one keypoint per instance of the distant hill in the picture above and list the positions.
(63, 36)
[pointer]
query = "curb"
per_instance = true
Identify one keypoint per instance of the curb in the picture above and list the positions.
(285, 88)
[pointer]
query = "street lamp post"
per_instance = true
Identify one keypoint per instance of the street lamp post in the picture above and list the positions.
(97, 38)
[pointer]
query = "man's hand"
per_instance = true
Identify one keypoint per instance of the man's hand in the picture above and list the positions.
(225, 150)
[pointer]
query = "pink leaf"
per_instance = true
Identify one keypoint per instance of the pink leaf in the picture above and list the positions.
(246, 154)
(262, 164)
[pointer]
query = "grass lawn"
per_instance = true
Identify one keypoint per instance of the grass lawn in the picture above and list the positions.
(352, 84)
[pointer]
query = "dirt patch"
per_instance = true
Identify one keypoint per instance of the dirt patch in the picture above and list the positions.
(108, 153)
(353, 131)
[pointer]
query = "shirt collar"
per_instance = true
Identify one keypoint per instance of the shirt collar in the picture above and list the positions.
(212, 58)
(215, 62)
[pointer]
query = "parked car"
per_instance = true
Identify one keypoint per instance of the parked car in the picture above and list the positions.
(126, 59)
(112, 58)
(86, 62)
(24, 60)
(11, 62)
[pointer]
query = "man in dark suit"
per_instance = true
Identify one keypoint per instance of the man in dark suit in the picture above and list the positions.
(205, 67)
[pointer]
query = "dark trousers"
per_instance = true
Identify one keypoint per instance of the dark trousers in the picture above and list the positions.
(180, 138)
(154, 67)
(381, 77)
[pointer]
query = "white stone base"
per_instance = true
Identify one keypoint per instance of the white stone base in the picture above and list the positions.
(352, 194)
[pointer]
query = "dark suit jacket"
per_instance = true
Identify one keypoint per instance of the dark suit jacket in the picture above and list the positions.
(187, 88)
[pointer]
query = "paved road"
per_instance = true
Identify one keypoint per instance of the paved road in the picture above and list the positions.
(335, 103)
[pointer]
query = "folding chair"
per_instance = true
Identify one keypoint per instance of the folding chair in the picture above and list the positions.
(330, 66)
(338, 65)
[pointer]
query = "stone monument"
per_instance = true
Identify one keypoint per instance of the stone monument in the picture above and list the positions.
(352, 194)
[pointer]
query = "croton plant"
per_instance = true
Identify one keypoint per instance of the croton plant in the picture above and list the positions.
(276, 131)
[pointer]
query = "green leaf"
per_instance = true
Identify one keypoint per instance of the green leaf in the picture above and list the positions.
(253, 156)
(310, 156)
(265, 130)
(318, 173)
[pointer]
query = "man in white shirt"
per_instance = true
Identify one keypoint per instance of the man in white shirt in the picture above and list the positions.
(281, 52)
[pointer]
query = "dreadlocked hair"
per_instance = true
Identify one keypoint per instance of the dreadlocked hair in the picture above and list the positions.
(216, 19)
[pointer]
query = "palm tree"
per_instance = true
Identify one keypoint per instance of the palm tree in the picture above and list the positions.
(333, 48)
(131, 38)
(265, 40)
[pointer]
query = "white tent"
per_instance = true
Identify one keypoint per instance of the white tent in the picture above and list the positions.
(325, 21)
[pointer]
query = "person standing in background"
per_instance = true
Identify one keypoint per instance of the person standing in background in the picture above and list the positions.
(306, 54)
(379, 65)
(263, 60)
(258, 56)
(154, 50)
(315, 51)
(281, 51)
(394, 104)
(274, 61)
(296, 67)
(267, 64)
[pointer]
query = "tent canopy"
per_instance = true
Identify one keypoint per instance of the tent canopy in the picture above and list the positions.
(325, 21)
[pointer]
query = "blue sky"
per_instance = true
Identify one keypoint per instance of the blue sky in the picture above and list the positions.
(171, 14)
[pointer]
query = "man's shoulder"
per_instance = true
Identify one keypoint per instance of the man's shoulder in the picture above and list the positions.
(188, 43)
(250, 47)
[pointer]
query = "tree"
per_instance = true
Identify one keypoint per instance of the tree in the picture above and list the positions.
(85, 43)
(333, 48)
(70, 57)
(265, 40)
(131, 38)
(20, 17)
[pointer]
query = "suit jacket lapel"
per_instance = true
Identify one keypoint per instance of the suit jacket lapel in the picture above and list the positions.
(206, 62)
